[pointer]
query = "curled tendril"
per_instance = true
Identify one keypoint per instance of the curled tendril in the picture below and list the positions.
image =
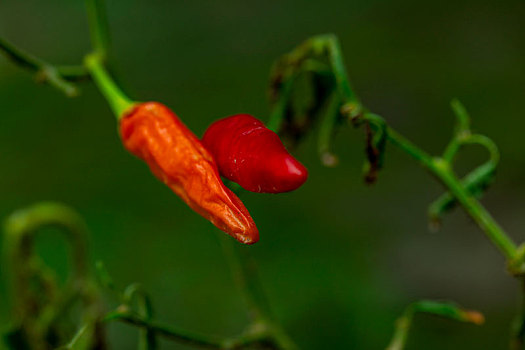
(477, 180)
(39, 303)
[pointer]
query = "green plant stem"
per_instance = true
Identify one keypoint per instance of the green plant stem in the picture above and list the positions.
(326, 130)
(59, 77)
(518, 332)
(245, 275)
(400, 336)
(476, 181)
(20, 57)
(73, 72)
(441, 309)
(279, 109)
(172, 333)
(437, 166)
(117, 100)
(462, 130)
(442, 171)
(478, 213)
(135, 291)
(187, 337)
(409, 148)
(336, 60)
(98, 27)
(77, 338)
(94, 62)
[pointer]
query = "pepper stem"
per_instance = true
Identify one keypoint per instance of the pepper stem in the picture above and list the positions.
(117, 100)
(98, 26)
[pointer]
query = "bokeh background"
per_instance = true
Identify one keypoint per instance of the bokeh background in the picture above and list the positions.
(339, 260)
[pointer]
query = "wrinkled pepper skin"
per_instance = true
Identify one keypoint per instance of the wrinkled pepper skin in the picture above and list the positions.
(252, 155)
(152, 132)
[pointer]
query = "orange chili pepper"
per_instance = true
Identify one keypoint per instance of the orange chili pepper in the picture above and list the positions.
(152, 132)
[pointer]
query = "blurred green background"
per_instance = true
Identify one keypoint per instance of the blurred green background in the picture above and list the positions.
(339, 260)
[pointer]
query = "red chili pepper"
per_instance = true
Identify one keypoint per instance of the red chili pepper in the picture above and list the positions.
(152, 132)
(252, 155)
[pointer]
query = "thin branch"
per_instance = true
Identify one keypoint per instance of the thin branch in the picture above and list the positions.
(475, 182)
(77, 338)
(95, 61)
(246, 276)
(326, 130)
(518, 331)
(98, 26)
(60, 77)
(147, 340)
(253, 336)
(73, 72)
(178, 335)
(442, 309)
(477, 212)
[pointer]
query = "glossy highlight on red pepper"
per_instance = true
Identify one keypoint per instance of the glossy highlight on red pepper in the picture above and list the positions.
(152, 132)
(252, 155)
